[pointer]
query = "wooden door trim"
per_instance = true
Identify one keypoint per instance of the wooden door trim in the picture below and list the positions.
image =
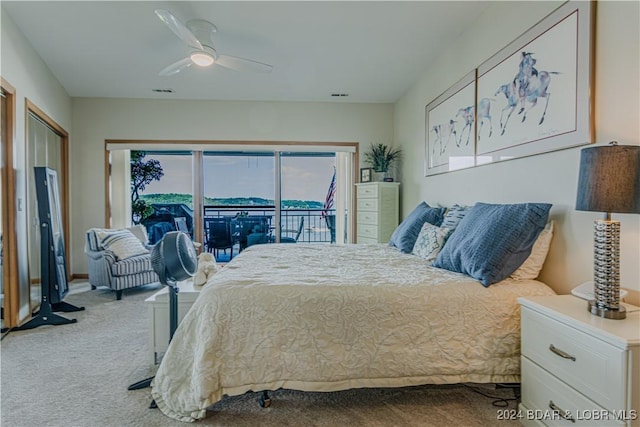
(10, 239)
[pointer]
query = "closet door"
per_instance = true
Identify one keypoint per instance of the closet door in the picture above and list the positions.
(45, 148)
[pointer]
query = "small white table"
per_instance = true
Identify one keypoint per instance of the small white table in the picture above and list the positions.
(158, 310)
(578, 369)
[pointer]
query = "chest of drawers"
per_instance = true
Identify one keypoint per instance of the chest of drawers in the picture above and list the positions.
(578, 369)
(378, 211)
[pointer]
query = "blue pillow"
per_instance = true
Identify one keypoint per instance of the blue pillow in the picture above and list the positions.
(492, 241)
(405, 236)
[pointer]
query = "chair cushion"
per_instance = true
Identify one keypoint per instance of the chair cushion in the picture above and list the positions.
(132, 265)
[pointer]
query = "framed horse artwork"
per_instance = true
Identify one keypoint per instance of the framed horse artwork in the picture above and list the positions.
(535, 95)
(449, 133)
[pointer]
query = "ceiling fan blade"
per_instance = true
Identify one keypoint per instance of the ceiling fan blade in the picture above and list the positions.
(176, 67)
(242, 64)
(178, 28)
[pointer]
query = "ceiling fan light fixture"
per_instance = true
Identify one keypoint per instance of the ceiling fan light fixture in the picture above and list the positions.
(202, 59)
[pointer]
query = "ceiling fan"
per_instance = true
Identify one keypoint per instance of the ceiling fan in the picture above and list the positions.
(198, 35)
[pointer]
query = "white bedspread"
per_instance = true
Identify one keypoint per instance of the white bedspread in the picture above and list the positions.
(334, 317)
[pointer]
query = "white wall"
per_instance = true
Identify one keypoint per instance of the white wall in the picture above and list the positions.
(550, 177)
(22, 67)
(95, 120)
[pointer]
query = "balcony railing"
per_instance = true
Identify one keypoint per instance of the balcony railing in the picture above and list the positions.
(317, 224)
(299, 225)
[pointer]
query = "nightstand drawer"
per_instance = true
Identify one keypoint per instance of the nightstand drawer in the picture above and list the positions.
(584, 362)
(368, 231)
(367, 204)
(366, 217)
(542, 393)
(367, 191)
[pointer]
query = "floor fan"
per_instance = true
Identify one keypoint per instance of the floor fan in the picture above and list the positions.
(173, 259)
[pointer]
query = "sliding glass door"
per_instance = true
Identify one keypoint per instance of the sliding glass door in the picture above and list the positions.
(235, 199)
(162, 191)
(307, 197)
(239, 209)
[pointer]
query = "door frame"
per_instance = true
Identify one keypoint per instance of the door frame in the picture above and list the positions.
(206, 145)
(10, 239)
(63, 174)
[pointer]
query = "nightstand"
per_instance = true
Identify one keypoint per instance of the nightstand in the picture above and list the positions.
(578, 369)
(378, 211)
(158, 309)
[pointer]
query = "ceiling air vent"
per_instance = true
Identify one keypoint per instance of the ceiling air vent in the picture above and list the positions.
(163, 90)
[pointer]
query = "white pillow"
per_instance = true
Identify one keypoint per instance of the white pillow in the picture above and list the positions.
(430, 241)
(122, 243)
(530, 268)
(140, 231)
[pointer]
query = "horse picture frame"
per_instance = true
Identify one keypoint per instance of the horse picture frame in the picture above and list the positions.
(535, 95)
(449, 133)
(504, 109)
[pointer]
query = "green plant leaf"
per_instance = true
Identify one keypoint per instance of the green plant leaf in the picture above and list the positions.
(380, 157)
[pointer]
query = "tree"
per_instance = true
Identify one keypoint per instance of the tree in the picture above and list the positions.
(142, 174)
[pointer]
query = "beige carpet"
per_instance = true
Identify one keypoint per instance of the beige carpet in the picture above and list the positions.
(77, 375)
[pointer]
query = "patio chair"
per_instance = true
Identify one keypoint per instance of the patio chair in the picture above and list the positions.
(181, 224)
(256, 227)
(158, 230)
(331, 224)
(219, 235)
(297, 235)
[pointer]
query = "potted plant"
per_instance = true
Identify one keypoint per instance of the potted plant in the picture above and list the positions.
(381, 158)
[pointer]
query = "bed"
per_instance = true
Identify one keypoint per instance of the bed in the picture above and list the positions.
(335, 317)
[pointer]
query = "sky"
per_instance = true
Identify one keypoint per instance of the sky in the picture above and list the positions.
(303, 178)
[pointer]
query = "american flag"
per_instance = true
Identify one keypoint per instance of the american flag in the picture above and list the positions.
(328, 201)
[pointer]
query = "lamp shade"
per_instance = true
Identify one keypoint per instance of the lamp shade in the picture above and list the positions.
(609, 179)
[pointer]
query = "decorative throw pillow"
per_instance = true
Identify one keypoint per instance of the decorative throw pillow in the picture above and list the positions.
(140, 231)
(492, 241)
(404, 237)
(453, 216)
(530, 269)
(122, 243)
(430, 241)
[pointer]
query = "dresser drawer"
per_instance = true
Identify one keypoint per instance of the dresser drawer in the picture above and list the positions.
(364, 239)
(367, 205)
(542, 393)
(367, 191)
(584, 362)
(367, 217)
(366, 230)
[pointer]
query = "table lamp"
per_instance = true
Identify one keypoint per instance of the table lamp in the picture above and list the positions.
(609, 181)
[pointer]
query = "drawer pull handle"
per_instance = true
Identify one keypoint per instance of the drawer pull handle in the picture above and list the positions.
(560, 412)
(561, 353)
